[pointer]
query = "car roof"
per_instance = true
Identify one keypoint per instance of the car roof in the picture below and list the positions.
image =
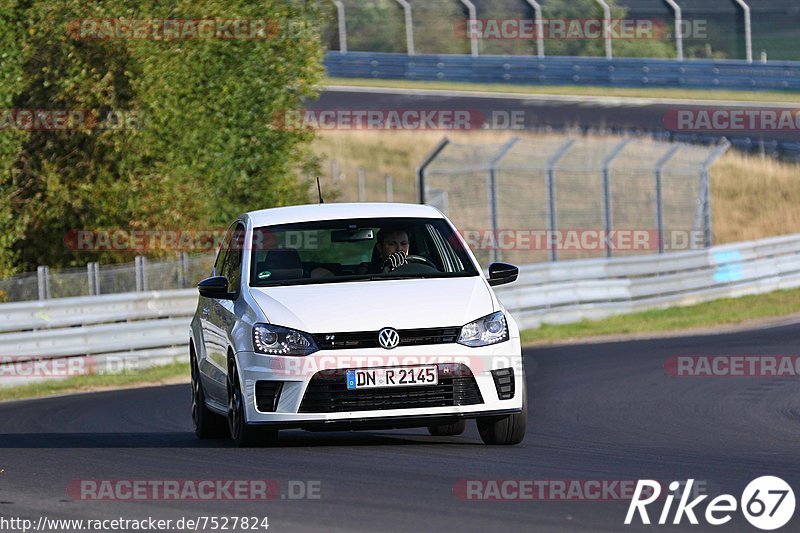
(339, 211)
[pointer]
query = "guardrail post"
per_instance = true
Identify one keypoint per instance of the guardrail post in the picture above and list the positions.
(493, 191)
(659, 168)
(551, 195)
(43, 278)
(704, 211)
(607, 190)
(424, 166)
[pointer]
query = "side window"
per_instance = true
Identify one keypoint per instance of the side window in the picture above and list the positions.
(232, 264)
(221, 254)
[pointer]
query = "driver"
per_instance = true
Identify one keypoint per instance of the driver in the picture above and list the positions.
(393, 245)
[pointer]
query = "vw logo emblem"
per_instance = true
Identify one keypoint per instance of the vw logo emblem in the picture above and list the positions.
(388, 338)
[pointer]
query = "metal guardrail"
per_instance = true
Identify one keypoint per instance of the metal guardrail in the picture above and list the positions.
(152, 328)
(621, 72)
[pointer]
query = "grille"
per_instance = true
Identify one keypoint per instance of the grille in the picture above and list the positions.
(369, 339)
(267, 395)
(327, 393)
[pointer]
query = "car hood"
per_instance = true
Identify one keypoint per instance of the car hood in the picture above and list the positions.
(372, 305)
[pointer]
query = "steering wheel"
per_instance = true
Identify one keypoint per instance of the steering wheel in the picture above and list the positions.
(420, 260)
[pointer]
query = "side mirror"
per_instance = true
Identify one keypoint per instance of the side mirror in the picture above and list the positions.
(502, 273)
(216, 287)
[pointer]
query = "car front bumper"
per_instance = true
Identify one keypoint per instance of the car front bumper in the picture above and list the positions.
(295, 375)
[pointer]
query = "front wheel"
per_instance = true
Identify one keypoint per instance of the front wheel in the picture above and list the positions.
(242, 433)
(505, 430)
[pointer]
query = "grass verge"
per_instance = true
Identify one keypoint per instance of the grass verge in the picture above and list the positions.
(158, 375)
(761, 97)
(727, 311)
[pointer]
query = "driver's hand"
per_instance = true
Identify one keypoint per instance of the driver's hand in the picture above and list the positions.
(395, 260)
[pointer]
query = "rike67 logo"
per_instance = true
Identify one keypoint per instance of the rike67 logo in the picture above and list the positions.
(767, 503)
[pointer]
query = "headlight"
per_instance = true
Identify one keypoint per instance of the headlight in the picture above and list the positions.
(276, 340)
(490, 329)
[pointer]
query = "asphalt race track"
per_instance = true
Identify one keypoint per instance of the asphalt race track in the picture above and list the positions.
(585, 113)
(599, 412)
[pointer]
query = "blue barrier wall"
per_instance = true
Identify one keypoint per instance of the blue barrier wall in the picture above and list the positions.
(623, 72)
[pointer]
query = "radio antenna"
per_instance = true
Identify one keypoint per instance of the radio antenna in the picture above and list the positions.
(319, 190)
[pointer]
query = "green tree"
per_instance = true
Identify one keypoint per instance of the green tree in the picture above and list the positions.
(206, 147)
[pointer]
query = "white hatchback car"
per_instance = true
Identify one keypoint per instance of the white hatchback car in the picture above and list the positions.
(353, 316)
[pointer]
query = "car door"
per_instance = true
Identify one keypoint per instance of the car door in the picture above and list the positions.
(214, 339)
(222, 317)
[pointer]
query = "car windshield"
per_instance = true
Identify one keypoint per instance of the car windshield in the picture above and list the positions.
(333, 251)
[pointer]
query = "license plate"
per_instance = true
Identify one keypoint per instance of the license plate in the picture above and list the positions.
(371, 378)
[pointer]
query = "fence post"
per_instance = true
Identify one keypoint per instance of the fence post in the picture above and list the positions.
(362, 185)
(606, 27)
(409, 26)
(424, 166)
(43, 278)
(607, 190)
(493, 192)
(91, 278)
(340, 14)
(551, 196)
(335, 170)
(537, 10)
(389, 188)
(96, 273)
(184, 270)
(473, 16)
(748, 30)
(678, 28)
(705, 192)
(659, 168)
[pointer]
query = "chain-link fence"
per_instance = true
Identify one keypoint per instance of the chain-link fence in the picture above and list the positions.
(95, 279)
(527, 201)
(708, 29)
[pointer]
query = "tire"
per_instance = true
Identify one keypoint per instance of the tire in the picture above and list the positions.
(207, 424)
(243, 434)
(448, 430)
(505, 430)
